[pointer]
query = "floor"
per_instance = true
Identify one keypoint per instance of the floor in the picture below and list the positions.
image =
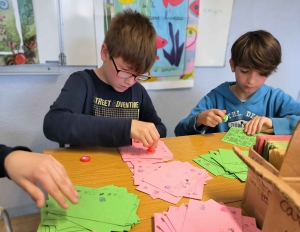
(28, 223)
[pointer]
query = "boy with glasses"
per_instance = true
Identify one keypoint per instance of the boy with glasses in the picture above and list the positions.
(107, 106)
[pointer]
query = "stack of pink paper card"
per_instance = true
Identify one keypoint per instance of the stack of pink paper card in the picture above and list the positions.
(170, 181)
(138, 153)
(198, 216)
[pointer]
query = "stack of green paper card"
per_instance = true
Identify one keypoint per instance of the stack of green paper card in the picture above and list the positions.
(224, 162)
(104, 209)
(237, 136)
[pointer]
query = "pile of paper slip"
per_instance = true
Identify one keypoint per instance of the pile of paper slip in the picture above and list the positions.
(170, 181)
(104, 209)
(137, 152)
(224, 162)
(203, 216)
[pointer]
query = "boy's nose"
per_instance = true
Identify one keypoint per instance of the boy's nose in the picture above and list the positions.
(252, 77)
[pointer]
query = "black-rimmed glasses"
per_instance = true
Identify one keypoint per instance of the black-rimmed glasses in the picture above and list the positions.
(126, 74)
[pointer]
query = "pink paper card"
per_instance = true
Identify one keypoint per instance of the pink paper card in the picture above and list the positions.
(153, 191)
(196, 191)
(140, 171)
(249, 224)
(177, 217)
(201, 216)
(160, 225)
(176, 178)
(138, 151)
(236, 214)
(167, 221)
(129, 164)
(144, 161)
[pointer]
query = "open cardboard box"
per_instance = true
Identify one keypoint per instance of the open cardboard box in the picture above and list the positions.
(273, 197)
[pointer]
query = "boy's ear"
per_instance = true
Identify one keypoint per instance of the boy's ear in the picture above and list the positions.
(231, 65)
(104, 52)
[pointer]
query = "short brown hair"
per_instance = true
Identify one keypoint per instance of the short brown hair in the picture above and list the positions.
(257, 50)
(132, 37)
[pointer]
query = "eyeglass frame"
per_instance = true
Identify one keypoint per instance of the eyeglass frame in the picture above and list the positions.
(132, 74)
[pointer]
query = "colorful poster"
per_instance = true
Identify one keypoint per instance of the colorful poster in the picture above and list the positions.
(176, 23)
(18, 43)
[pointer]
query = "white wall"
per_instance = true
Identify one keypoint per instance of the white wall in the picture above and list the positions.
(25, 100)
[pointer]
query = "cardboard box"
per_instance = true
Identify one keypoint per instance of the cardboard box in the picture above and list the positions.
(257, 191)
(279, 209)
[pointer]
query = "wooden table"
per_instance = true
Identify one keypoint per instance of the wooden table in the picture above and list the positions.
(106, 167)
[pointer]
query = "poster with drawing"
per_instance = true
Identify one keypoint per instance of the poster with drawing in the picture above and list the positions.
(18, 42)
(175, 22)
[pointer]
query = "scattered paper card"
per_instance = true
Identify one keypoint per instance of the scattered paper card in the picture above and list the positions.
(203, 216)
(104, 209)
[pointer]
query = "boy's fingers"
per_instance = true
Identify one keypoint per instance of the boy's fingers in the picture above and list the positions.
(69, 183)
(254, 124)
(64, 184)
(154, 145)
(51, 187)
(35, 193)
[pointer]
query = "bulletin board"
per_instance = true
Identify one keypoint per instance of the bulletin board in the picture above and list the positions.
(29, 36)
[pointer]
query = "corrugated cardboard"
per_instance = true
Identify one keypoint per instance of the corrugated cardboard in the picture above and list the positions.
(282, 212)
(257, 192)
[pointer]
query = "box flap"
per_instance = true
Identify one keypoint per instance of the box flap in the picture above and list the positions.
(289, 193)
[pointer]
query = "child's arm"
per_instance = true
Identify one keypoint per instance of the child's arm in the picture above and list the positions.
(148, 114)
(210, 117)
(188, 125)
(258, 124)
(283, 115)
(26, 168)
(65, 122)
(287, 113)
(144, 132)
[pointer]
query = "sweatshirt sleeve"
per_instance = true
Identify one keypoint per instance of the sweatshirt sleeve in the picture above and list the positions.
(287, 114)
(4, 152)
(148, 114)
(65, 123)
(187, 126)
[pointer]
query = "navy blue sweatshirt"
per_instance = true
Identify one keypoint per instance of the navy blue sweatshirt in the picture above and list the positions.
(90, 112)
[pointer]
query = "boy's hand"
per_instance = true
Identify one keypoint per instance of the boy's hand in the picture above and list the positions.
(210, 117)
(258, 124)
(144, 132)
(27, 168)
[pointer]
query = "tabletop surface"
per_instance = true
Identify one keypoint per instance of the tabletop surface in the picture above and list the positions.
(107, 168)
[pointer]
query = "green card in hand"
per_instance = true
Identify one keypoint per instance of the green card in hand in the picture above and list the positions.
(238, 137)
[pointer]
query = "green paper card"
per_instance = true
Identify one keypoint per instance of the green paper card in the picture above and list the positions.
(238, 137)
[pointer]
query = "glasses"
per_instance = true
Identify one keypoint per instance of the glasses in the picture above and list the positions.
(126, 74)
